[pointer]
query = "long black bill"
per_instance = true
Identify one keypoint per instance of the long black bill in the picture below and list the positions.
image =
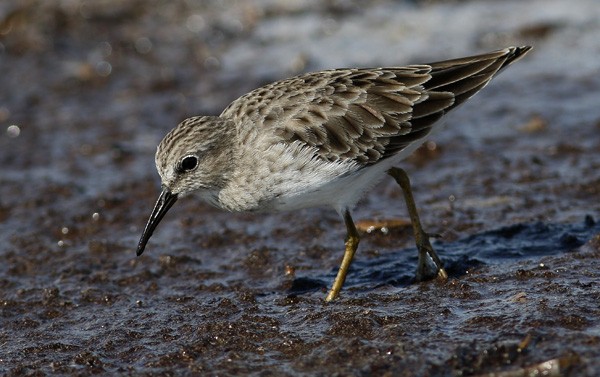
(164, 202)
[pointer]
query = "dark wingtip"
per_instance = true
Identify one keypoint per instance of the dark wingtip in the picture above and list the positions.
(515, 54)
(520, 51)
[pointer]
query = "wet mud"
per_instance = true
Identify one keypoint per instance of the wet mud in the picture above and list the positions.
(510, 188)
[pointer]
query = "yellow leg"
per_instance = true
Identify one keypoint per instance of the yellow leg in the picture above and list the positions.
(421, 238)
(352, 240)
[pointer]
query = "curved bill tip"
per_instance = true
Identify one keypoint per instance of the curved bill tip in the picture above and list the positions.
(164, 202)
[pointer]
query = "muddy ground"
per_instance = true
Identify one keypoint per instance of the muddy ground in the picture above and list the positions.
(511, 185)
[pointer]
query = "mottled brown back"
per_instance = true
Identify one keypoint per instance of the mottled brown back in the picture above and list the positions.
(366, 114)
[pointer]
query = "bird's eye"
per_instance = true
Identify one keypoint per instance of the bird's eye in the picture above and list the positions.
(189, 163)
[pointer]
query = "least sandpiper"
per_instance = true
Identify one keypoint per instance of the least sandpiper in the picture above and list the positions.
(320, 139)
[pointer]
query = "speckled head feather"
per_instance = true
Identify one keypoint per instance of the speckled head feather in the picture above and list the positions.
(205, 144)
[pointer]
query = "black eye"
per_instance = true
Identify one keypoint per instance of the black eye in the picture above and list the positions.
(189, 163)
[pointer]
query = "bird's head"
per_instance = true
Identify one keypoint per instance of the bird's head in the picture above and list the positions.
(196, 156)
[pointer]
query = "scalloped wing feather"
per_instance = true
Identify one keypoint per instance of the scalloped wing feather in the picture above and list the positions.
(365, 115)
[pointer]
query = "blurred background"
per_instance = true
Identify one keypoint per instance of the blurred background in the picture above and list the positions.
(89, 88)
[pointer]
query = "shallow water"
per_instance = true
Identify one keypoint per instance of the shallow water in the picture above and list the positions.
(511, 185)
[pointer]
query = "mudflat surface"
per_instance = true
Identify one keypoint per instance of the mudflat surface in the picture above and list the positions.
(511, 185)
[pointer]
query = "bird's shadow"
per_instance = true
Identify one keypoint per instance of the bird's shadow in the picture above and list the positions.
(510, 244)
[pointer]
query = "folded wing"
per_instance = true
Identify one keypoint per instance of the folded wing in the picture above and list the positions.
(366, 115)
